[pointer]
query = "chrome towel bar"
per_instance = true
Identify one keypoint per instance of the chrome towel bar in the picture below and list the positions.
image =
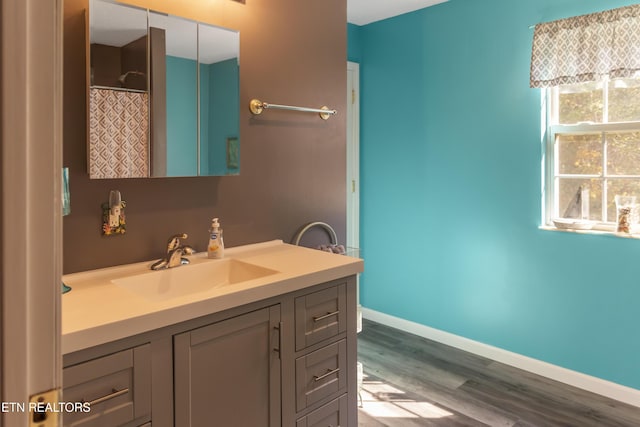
(256, 106)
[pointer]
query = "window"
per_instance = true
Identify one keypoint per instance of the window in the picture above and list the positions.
(593, 149)
(589, 66)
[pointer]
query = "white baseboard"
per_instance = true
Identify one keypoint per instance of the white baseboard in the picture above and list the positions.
(576, 379)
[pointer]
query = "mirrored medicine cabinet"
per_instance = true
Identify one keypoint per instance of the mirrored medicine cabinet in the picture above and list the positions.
(163, 95)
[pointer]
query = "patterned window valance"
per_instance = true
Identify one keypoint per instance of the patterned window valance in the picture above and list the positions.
(586, 47)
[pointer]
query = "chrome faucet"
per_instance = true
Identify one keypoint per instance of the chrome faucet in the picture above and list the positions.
(175, 253)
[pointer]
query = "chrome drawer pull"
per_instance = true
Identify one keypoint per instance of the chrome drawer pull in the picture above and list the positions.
(279, 329)
(326, 316)
(329, 372)
(114, 393)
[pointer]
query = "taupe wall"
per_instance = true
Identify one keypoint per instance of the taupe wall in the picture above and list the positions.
(292, 164)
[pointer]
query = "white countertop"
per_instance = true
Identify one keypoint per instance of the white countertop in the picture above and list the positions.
(97, 311)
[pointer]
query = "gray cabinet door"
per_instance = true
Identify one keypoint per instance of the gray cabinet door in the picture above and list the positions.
(228, 373)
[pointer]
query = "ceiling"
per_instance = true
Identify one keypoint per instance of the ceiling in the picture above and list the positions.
(362, 12)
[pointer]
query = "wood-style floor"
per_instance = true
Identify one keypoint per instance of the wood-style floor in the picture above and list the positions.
(411, 381)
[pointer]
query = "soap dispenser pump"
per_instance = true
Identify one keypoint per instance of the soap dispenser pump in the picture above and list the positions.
(215, 250)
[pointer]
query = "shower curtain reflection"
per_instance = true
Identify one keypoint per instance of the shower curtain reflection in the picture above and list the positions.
(119, 121)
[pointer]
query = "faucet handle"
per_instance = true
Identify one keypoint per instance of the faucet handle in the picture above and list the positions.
(174, 241)
(188, 250)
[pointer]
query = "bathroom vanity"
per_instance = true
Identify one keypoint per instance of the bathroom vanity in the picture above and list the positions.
(264, 337)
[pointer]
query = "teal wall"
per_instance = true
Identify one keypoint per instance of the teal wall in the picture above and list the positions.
(451, 198)
(205, 112)
(354, 45)
(182, 125)
(219, 116)
(224, 110)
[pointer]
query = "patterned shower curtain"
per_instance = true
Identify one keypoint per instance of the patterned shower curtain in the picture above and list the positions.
(585, 48)
(119, 134)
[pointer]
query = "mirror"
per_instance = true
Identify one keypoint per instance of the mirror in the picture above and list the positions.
(218, 53)
(163, 95)
(118, 128)
(174, 99)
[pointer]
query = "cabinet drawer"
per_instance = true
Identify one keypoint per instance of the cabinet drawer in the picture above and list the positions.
(332, 414)
(320, 315)
(118, 387)
(320, 374)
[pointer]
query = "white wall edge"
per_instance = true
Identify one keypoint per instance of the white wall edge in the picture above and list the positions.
(596, 385)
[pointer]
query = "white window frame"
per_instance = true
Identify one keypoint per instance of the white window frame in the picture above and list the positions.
(551, 175)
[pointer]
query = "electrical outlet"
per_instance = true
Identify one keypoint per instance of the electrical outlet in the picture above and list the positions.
(113, 219)
(114, 216)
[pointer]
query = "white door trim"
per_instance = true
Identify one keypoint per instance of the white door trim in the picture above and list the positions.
(31, 79)
(353, 167)
(353, 155)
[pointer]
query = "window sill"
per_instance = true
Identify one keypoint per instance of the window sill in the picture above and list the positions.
(596, 232)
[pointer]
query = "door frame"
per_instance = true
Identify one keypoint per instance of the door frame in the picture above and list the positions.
(353, 170)
(353, 155)
(31, 76)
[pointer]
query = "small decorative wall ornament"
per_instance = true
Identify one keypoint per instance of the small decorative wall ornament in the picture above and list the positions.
(113, 218)
(66, 194)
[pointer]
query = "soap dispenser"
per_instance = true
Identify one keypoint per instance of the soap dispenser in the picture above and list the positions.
(215, 250)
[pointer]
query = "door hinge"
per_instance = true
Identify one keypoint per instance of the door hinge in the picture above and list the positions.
(353, 96)
(44, 409)
(353, 185)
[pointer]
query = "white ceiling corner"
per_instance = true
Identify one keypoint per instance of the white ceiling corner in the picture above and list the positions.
(362, 12)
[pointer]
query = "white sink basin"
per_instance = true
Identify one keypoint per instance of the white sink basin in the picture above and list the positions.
(201, 275)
